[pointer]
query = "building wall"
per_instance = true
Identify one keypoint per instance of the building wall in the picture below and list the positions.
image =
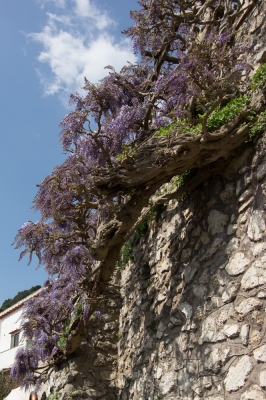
(8, 323)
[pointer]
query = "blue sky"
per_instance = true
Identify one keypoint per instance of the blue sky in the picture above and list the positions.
(47, 47)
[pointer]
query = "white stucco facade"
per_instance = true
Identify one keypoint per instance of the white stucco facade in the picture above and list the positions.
(10, 325)
(10, 322)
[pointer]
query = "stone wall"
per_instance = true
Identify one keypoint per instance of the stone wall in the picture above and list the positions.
(193, 324)
(193, 321)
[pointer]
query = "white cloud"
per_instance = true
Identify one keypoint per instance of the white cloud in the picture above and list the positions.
(57, 3)
(85, 9)
(72, 51)
(55, 19)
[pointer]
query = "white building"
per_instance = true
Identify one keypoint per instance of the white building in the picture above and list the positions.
(11, 340)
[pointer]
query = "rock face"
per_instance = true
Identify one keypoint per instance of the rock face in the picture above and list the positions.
(189, 322)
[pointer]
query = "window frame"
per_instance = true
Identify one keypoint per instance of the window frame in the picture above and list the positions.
(14, 339)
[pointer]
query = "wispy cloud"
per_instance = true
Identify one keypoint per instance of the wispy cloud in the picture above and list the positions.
(57, 3)
(77, 41)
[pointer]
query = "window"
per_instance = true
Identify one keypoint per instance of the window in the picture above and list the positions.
(14, 340)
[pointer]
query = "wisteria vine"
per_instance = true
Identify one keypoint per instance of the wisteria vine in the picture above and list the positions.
(189, 64)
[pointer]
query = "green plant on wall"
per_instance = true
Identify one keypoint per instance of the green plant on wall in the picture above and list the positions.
(126, 254)
(259, 78)
(78, 309)
(127, 149)
(258, 126)
(180, 126)
(128, 379)
(118, 334)
(222, 115)
(153, 215)
(62, 342)
(182, 179)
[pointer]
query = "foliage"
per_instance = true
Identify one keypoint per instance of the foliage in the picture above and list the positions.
(222, 115)
(19, 296)
(258, 126)
(128, 379)
(180, 126)
(88, 205)
(142, 229)
(182, 179)
(126, 254)
(259, 78)
(177, 182)
(62, 342)
(126, 150)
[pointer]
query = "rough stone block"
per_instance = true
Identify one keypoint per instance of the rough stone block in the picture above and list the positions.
(217, 222)
(263, 379)
(253, 393)
(237, 374)
(244, 332)
(260, 353)
(261, 171)
(230, 291)
(248, 305)
(237, 264)
(256, 226)
(212, 326)
(231, 330)
(246, 195)
(254, 276)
